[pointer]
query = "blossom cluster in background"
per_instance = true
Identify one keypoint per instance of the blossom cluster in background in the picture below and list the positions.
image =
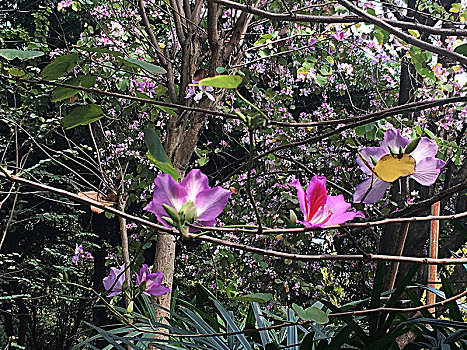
(81, 255)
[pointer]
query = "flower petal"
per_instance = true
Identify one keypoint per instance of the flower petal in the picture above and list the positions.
(427, 170)
(194, 183)
(337, 204)
(300, 196)
(143, 272)
(198, 96)
(166, 191)
(153, 284)
(340, 213)
(426, 148)
(394, 139)
(111, 281)
(343, 218)
(157, 290)
(211, 202)
(308, 224)
(316, 195)
(367, 153)
(374, 195)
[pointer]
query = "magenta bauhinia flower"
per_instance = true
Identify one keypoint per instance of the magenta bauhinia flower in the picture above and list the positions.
(396, 157)
(320, 209)
(152, 282)
(115, 280)
(208, 202)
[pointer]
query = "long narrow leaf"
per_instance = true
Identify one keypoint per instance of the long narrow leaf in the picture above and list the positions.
(203, 327)
(376, 300)
(454, 311)
(265, 338)
(386, 321)
(231, 324)
(292, 331)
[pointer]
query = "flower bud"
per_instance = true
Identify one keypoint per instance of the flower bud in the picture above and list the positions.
(172, 213)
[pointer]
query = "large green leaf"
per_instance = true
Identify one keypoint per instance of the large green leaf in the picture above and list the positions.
(311, 314)
(462, 49)
(149, 67)
(11, 54)
(61, 93)
(157, 155)
(82, 115)
(255, 297)
(168, 110)
(60, 66)
(321, 80)
(101, 50)
(222, 81)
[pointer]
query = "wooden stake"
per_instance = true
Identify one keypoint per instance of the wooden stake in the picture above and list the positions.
(433, 253)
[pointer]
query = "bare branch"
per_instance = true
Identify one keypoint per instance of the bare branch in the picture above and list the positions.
(401, 35)
(237, 246)
(339, 19)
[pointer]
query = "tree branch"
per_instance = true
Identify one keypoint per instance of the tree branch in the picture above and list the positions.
(338, 19)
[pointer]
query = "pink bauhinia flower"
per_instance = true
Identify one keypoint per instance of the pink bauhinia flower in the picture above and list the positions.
(416, 161)
(208, 202)
(320, 209)
(115, 280)
(152, 282)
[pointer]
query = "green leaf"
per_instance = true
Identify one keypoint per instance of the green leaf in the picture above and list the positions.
(154, 145)
(320, 80)
(101, 50)
(454, 311)
(61, 93)
(16, 72)
(168, 110)
(412, 145)
(149, 67)
(307, 342)
(376, 300)
(430, 134)
(455, 8)
(11, 54)
(60, 66)
(82, 115)
(157, 155)
(255, 297)
(414, 32)
(311, 314)
(462, 49)
(379, 37)
(222, 81)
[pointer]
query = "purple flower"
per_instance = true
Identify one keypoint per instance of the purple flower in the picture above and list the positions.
(80, 255)
(152, 282)
(319, 209)
(392, 160)
(209, 202)
(339, 35)
(115, 280)
(198, 95)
